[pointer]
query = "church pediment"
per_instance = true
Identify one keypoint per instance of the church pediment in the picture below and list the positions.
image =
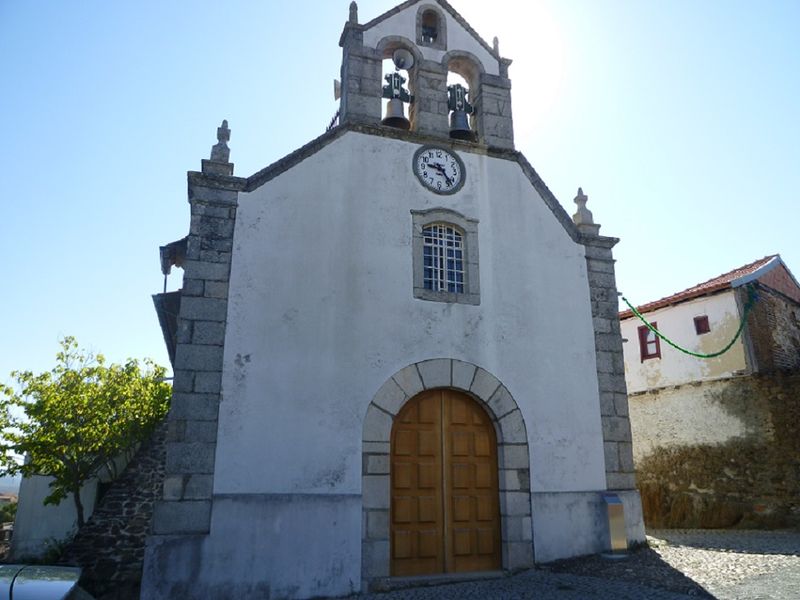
(407, 20)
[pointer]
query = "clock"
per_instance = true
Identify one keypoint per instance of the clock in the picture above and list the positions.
(439, 170)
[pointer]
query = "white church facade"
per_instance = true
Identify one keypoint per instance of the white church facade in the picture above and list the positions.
(395, 352)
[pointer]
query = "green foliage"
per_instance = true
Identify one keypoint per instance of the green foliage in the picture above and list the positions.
(54, 550)
(7, 512)
(73, 421)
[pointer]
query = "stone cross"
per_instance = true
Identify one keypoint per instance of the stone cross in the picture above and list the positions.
(220, 151)
(219, 162)
(583, 218)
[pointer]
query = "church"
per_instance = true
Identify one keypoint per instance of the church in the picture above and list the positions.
(395, 353)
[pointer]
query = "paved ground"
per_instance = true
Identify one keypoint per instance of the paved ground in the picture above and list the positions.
(736, 565)
(679, 564)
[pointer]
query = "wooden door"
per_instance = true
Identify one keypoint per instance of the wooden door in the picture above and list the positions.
(444, 507)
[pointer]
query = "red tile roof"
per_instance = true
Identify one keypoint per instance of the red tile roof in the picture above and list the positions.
(721, 282)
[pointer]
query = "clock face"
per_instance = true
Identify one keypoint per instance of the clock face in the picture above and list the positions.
(438, 169)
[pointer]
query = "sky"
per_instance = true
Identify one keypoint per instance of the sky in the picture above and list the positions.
(678, 118)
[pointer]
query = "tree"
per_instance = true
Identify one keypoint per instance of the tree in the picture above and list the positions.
(72, 422)
(8, 511)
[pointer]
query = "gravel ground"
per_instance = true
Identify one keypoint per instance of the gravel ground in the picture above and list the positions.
(728, 565)
(676, 564)
(735, 565)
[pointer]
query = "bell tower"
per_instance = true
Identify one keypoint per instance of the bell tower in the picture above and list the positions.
(426, 41)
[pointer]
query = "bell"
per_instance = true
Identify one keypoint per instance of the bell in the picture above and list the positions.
(459, 126)
(396, 115)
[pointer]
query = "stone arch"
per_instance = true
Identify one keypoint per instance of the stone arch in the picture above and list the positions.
(384, 49)
(390, 43)
(513, 458)
(467, 65)
(470, 67)
(423, 12)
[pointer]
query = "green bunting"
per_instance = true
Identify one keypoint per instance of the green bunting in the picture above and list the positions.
(751, 300)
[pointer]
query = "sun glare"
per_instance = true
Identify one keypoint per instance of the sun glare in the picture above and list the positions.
(530, 35)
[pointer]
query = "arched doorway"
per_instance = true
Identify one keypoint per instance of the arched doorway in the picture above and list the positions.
(445, 515)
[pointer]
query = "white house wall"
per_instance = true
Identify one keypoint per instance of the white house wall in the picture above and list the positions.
(404, 23)
(39, 526)
(677, 323)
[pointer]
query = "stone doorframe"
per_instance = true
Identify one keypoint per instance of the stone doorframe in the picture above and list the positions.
(516, 527)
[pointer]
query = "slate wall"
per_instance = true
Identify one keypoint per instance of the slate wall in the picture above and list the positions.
(110, 546)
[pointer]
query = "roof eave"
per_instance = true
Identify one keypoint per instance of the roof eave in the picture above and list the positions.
(759, 272)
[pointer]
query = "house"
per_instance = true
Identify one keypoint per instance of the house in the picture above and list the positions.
(717, 440)
(395, 354)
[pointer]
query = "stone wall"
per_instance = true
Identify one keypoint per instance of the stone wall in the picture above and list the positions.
(773, 327)
(617, 445)
(185, 504)
(749, 478)
(110, 546)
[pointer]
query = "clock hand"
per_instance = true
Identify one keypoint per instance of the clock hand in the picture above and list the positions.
(439, 167)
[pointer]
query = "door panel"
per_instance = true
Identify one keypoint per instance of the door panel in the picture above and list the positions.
(471, 451)
(444, 512)
(417, 520)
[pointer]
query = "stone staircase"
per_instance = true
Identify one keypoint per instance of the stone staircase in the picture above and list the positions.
(110, 546)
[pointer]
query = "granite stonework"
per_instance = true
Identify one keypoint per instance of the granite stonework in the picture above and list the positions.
(512, 450)
(489, 92)
(185, 506)
(617, 441)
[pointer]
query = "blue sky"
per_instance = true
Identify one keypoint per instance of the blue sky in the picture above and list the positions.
(679, 119)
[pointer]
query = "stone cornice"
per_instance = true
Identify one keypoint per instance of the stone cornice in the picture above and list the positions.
(221, 182)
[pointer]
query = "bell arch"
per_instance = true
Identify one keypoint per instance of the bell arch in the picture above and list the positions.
(384, 51)
(461, 65)
(390, 43)
(513, 458)
(465, 64)
(431, 27)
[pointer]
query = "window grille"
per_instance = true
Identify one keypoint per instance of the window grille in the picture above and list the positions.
(443, 259)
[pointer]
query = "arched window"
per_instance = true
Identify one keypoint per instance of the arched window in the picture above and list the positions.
(431, 27)
(443, 257)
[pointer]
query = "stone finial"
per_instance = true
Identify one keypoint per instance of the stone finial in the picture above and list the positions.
(219, 162)
(220, 151)
(583, 217)
(353, 12)
(496, 45)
